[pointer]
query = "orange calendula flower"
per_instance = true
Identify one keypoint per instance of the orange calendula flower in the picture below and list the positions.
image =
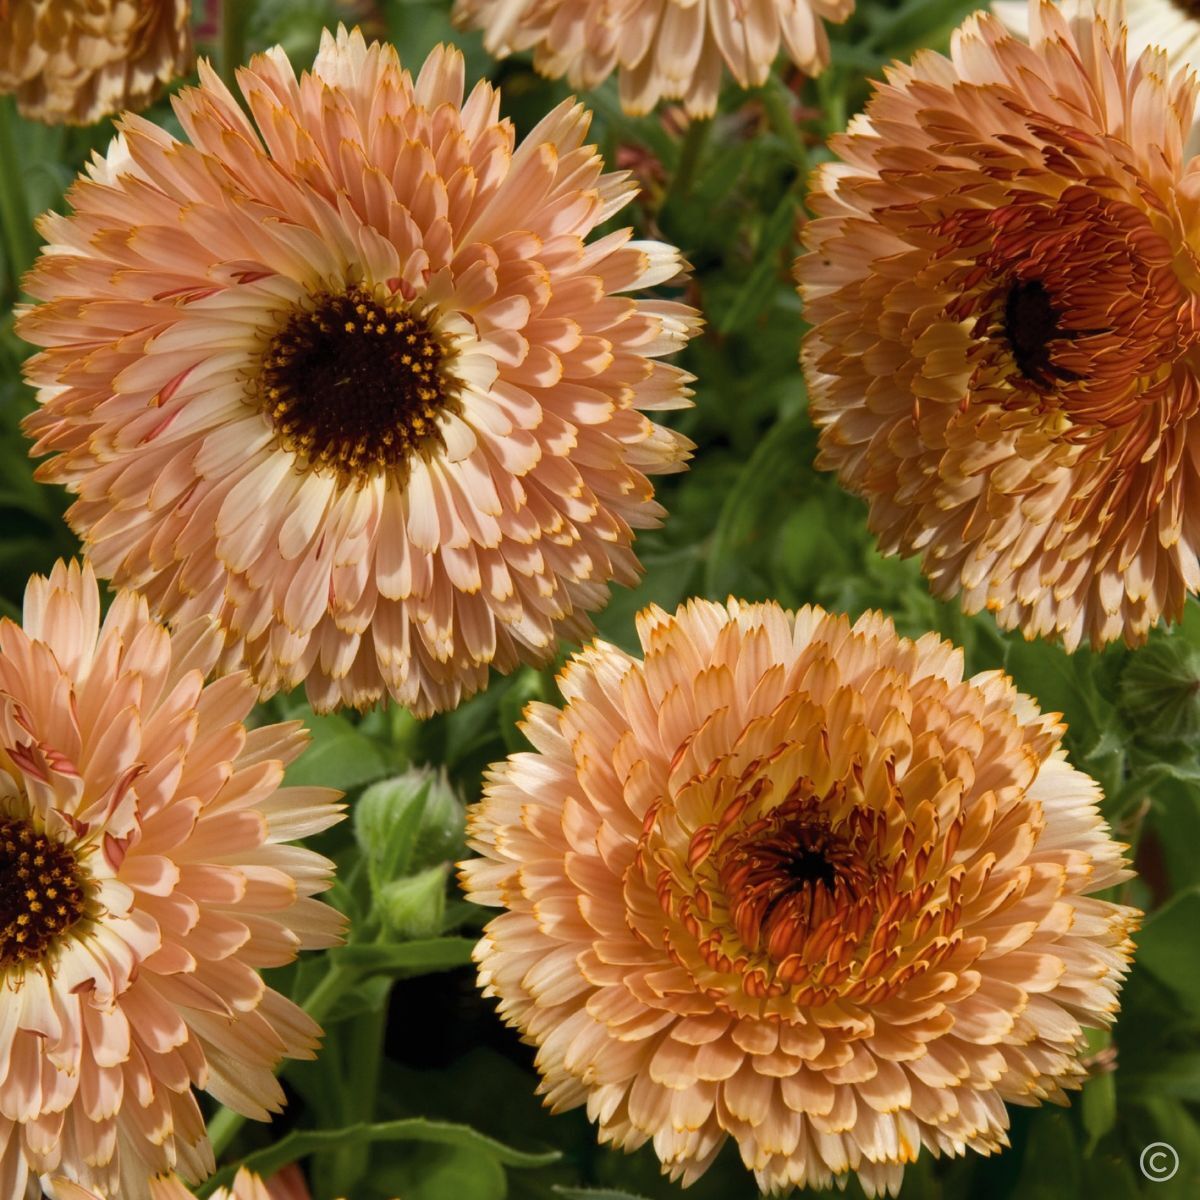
(799, 883)
(664, 49)
(144, 882)
(1002, 281)
(355, 381)
(75, 61)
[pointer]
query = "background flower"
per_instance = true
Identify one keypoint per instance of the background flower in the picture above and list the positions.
(1170, 25)
(76, 61)
(664, 49)
(355, 382)
(1002, 286)
(799, 883)
(144, 883)
(287, 1185)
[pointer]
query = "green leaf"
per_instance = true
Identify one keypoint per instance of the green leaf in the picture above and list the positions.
(757, 290)
(1166, 946)
(440, 1172)
(302, 1142)
(367, 996)
(339, 755)
(1065, 683)
(1098, 1107)
(745, 514)
(1176, 1075)
(1051, 1167)
(1166, 1120)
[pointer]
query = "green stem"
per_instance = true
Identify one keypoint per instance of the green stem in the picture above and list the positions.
(224, 1126)
(777, 100)
(349, 1165)
(15, 223)
(690, 153)
(234, 14)
(831, 92)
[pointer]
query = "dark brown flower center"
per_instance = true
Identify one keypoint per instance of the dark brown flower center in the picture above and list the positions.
(1077, 310)
(356, 386)
(788, 872)
(43, 892)
(1190, 8)
(1031, 323)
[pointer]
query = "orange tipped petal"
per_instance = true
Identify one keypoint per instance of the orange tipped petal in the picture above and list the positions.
(352, 379)
(1004, 292)
(75, 61)
(662, 49)
(146, 831)
(796, 882)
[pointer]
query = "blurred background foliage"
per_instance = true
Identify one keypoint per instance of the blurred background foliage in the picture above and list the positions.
(420, 1091)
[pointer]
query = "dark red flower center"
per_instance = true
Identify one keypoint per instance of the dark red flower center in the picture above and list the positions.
(1075, 305)
(789, 871)
(355, 385)
(43, 892)
(1031, 325)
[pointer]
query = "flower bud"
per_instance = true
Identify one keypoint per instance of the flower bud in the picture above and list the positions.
(415, 906)
(1160, 691)
(407, 823)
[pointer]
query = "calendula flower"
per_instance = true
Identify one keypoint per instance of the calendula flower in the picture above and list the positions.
(1003, 290)
(75, 61)
(1171, 25)
(799, 883)
(663, 49)
(355, 381)
(287, 1185)
(144, 882)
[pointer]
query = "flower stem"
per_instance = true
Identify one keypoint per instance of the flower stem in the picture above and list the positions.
(777, 100)
(349, 1165)
(690, 153)
(233, 40)
(338, 980)
(16, 227)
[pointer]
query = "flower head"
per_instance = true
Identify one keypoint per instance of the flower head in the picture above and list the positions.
(287, 1185)
(1171, 25)
(799, 883)
(664, 49)
(144, 882)
(1002, 280)
(354, 381)
(75, 61)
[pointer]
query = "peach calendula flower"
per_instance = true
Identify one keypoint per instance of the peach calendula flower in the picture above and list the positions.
(287, 1185)
(1171, 25)
(664, 49)
(799, 883)
(144, 882)
(1002, 281)
(356, 382)
(75, 61)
